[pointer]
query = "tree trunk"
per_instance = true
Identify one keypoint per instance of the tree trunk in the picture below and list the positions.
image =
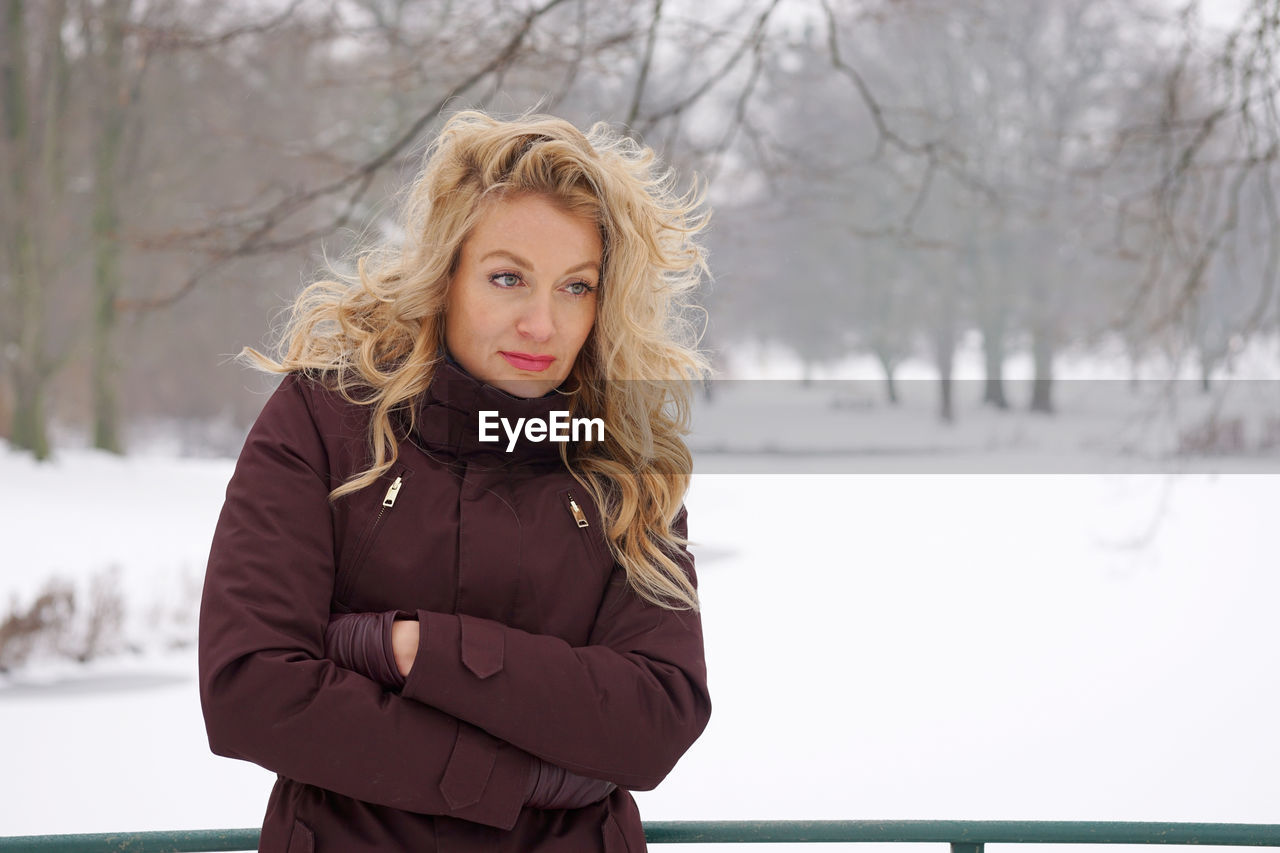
(6, 408)
(946, 357)
(104, 370)
(1135, 366)
(1042, 358)
(946, 407)
(890, 384)
(993, 310)
(21, 318)
(944, 345)
(30, 431)
(36, 173)
(1207, 363)
(993, 350)
(112, 104)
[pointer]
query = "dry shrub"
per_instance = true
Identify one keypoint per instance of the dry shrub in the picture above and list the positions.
(62, 621)
(105, 619)
(44, 622)
(1213, 437)
(174, 612)
(1270, 435)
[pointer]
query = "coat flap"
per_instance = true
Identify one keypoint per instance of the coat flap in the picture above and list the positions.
(482, 646)
(470, 765)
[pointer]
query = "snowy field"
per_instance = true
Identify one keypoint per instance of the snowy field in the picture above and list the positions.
(895, 641)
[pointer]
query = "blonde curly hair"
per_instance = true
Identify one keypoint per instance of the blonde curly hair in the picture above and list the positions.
(377, 336)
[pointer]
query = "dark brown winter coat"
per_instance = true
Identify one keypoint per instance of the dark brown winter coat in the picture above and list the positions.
(531, 640)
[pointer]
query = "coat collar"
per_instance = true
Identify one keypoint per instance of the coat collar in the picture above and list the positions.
(448, 418)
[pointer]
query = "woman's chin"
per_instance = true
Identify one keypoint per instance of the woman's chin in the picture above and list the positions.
(523, 386)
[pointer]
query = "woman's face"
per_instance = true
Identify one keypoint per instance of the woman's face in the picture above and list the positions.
(523, 299)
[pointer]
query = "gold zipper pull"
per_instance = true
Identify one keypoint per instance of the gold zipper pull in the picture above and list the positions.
(390, 499)
(578, 515)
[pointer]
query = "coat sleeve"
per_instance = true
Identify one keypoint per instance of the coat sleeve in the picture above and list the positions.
(624, 708)
(268, 694)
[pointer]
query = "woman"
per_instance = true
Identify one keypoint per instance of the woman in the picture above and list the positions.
(441, 641)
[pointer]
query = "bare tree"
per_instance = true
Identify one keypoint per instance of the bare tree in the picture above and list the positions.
(104, 40)
(35, 83)
(73, 74)
(217, 147)
(1208, 209)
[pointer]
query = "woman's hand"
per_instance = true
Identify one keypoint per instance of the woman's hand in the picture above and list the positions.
(379, 646)
(404, 644)
(384, 646)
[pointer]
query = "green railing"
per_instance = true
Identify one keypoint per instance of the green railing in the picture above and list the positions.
(964, 836)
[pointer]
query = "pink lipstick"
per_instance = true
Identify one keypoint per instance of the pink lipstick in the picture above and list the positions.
(525, 361)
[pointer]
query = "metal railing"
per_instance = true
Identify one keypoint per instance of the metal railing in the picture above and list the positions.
(964, 836)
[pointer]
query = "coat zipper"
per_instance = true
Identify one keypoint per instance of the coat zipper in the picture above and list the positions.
(578, 515)
(388, 501)
(597, 548)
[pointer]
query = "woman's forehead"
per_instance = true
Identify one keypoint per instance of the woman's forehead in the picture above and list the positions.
(530, 229)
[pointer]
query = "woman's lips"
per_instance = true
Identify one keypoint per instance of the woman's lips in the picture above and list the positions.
(525, 361)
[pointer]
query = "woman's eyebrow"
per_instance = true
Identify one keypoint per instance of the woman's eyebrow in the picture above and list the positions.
(511, 256)
(519, 261)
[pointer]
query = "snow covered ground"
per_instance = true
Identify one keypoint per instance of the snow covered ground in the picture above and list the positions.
(900, 641)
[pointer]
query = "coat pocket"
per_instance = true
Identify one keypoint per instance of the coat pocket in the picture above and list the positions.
(302, 839)
(387, 492)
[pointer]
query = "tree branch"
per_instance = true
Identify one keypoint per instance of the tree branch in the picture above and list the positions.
(751, 38)
(255, 231)
(643, 76)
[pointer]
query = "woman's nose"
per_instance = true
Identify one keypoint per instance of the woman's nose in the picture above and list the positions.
(536, 321)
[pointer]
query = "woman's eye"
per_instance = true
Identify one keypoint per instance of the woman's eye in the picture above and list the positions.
(579, 288)
(505, 279)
